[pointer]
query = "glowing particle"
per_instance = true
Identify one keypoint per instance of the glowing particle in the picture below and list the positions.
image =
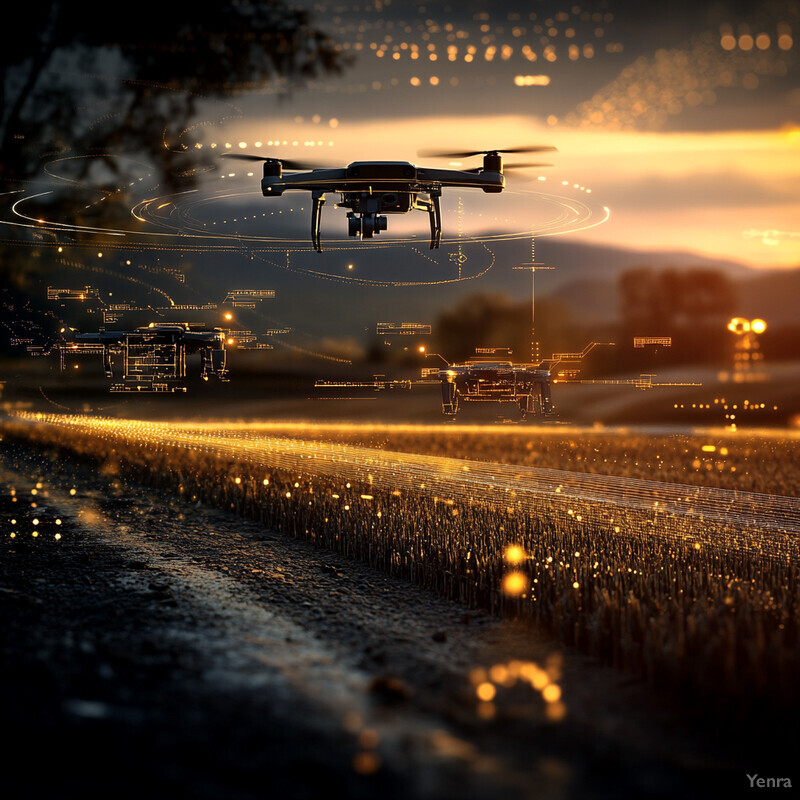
(551, 693)
(499, 673)
(366, 763)
(477, 676)
(514, 554)
(514, 584)
(485, 691)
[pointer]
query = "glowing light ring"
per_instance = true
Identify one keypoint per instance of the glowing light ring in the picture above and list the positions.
(371, 282)
(575, 216)
(175, 216)
(179, 221)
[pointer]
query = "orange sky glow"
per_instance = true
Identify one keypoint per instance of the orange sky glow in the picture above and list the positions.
(728, 194)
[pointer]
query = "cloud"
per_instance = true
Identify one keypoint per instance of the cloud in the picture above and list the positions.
(699, 190)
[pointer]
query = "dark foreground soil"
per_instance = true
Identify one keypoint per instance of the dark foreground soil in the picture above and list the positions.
(164, 649)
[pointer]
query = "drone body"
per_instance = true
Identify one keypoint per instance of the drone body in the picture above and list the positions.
(373, 189)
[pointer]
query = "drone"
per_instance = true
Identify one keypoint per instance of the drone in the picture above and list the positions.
(474, 381)
(373, 189)
(152, 358)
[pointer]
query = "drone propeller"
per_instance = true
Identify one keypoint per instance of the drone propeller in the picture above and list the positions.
(525, 166)
(510, 166)
(536, 148)
(287, 163)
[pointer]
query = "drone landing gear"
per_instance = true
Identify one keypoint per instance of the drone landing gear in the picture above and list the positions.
(449, 399)
(434, 215)
(318, 200)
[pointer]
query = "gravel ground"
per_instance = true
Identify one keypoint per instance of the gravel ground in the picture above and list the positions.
(161, 648)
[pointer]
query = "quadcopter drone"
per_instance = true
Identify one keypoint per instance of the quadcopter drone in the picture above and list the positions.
(373, 189)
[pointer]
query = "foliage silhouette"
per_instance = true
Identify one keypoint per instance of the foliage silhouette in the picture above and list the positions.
(81, 79)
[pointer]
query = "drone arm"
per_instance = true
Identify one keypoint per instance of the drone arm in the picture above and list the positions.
(318, 199)
(461, 178)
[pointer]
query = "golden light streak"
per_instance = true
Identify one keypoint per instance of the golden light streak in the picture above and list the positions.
(509, 487)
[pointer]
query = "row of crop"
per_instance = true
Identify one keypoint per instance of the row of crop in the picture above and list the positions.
(730, 461)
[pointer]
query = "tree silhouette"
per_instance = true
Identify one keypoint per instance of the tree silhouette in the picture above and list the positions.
(109, 93)
(661, 302)
(495, 320)
(86, 78)
(692, 306)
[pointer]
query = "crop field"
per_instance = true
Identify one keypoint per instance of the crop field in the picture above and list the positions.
(692, 586)
(752, 461)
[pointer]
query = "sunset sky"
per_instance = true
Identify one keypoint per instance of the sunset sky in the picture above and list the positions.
(682, 118)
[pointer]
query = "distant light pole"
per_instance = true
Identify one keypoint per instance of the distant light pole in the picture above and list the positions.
(533, 266)
(747, 349)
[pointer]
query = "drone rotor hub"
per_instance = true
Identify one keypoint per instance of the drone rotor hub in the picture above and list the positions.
(493, 162)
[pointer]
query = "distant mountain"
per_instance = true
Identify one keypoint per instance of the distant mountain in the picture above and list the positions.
(589, 299)
(586, 276)
(335, 303)
(578, 260)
